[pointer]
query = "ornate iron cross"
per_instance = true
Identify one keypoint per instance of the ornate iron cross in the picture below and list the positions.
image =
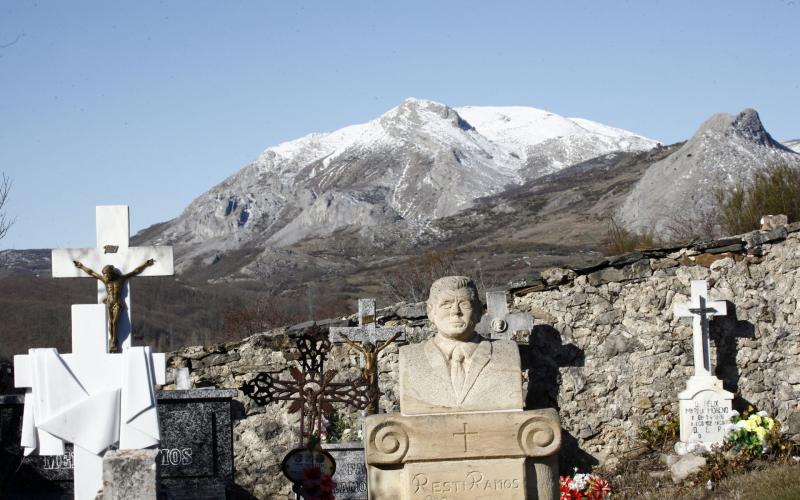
(311, 389)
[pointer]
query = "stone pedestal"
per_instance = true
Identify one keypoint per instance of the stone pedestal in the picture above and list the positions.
(705, 409)
(501, 454)
(130, 475)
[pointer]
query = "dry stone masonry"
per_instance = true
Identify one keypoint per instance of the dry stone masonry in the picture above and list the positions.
(606, 350)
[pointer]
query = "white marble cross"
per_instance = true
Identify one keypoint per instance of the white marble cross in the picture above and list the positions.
(89, 397)
(499, 322)
(367, 329)
(701, 310)
(113, 233)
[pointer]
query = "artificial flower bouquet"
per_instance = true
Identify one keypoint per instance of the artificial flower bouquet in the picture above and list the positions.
(751, 433)
(584, 487)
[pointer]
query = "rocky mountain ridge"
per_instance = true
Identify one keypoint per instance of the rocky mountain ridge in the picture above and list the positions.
(727, 149)
(384, 181)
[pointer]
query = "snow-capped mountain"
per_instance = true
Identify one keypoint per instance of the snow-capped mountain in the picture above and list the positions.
(794, 145)
(415, 163)
(725, 150)
(546, 141)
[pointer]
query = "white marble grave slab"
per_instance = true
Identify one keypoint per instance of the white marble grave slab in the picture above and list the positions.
(705, 408)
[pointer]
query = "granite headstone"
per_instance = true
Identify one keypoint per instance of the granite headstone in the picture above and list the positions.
(195, 455)
(351, 470)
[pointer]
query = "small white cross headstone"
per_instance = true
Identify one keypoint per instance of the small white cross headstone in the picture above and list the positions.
(499, 323)
(113, 233)
(705, 407)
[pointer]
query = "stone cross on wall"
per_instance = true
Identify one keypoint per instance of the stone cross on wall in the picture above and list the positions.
(701, 311)
(499, 323)
(364, 338)
(89, 397)
(367, 329)
(113, 232)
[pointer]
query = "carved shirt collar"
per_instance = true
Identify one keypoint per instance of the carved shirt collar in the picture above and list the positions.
(447, 346)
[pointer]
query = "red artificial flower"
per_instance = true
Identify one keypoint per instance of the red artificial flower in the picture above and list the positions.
(312, 473)
(603, 486)
(327, 484)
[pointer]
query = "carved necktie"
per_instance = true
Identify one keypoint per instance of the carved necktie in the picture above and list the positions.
(457, 373)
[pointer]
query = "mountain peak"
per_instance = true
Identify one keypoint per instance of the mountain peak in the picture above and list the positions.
(418, 112)
(725, 150)
(745, 125)
(385, 180)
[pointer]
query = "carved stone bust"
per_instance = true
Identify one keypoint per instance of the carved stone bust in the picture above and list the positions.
(458, 370)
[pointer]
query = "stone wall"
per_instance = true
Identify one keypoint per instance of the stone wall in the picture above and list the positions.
(605, 350)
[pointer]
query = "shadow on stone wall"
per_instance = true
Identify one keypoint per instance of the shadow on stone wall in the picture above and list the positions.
(541, 359)
(725, 333)
(571, 456)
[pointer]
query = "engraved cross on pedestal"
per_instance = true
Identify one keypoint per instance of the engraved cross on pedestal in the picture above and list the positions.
(113, 232)
(701, 310)
(500, 323)
(465, 435)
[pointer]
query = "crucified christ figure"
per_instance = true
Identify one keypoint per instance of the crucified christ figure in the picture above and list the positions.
(370, 352)
(114, 282)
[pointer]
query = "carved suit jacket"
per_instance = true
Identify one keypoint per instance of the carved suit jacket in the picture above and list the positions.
(493, 379)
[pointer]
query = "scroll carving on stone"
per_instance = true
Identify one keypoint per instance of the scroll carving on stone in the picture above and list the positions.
(389, 440)
(540, 435)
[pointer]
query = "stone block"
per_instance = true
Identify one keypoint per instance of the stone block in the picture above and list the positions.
(393, 439)
(735, 248)
(756, 238)
(411, 311)
(130, 475)
(607, 275)
(686, 466)
(502, 455)
(770, 222)
(557, 276)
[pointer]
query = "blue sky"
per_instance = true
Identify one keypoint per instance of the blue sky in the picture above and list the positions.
(152, 103)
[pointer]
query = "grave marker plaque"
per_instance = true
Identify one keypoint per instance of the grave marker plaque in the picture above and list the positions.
(351, 470)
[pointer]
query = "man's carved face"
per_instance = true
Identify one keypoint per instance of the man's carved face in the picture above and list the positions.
(453, 313)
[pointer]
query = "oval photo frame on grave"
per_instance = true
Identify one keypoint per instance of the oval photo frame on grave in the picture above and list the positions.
(298, 460)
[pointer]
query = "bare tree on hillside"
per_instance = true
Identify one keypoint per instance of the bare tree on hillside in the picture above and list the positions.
(5, 222)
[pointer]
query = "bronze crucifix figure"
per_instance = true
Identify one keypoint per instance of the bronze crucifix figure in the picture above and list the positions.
(114, 281)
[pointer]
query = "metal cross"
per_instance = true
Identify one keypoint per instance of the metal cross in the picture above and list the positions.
(701, 310)
(499, 322)
(311, 389)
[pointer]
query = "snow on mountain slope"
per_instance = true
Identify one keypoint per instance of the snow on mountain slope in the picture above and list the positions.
(417, 162)
(548, 142)
(794, 145)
